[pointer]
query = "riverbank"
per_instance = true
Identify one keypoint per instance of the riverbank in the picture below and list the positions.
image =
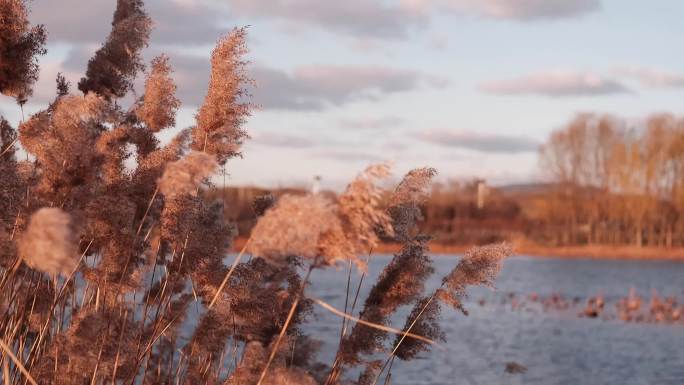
(529, 249)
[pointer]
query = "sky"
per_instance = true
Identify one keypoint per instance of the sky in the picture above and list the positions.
(470, 87)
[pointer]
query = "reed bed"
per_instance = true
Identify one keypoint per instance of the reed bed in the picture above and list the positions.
(113, 272)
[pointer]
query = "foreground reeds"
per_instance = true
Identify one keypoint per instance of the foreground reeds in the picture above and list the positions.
(113, 274)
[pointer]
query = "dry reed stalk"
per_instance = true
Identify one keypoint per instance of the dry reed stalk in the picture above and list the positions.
(9, 146)
(404, 334)
(17, 362)
(99, 356)
(147, 210)
(5, 370)
(346, 301)
(118, 349)
(230, 272)
(290, 314)
(334, 370)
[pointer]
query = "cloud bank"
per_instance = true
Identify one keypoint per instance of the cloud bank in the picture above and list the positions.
(651, 77)
(488, 143)
(557, 84)
(180, 22)
(526, 10)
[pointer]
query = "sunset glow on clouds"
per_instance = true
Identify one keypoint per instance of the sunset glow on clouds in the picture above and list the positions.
(467, 86)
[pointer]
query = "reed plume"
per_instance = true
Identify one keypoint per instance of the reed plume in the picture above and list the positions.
(63, 140)
(294, 226)
(159, 104)
(262, 203)
(414, 187)
(49, 243)
(111, 70)
(361, 209)
(314, 226)
(184, 176)
(20, 45)
(220, 118)
(10, 180)
(400, 283)
(404, 204)
(479, 266)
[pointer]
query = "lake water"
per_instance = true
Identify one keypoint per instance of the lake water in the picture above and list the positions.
(556, 347)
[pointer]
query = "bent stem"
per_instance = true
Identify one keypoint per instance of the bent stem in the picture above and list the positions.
(331, 309)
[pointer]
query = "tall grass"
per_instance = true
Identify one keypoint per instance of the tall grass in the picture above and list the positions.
(116, 275)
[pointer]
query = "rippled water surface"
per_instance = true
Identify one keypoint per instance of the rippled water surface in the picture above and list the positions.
(557, 347)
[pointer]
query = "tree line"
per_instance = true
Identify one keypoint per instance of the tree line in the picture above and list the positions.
(608, 181)
(615, 181)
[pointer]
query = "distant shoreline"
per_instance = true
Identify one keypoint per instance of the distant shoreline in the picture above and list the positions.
(605, 252)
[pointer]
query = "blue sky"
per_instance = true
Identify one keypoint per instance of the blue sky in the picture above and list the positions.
(471, 87)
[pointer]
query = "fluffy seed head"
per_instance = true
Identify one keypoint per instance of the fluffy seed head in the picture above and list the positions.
(406, 200)
(479, 266)
(185, 175)
(20, 44)
(158, 109)
(414, 187)
(219, 128)
(361, 211)
(293, 227)
(262, 203)
(49, 243)
(401, 282)
(112, 69)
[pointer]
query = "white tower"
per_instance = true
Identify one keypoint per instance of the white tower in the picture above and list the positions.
(316, 185)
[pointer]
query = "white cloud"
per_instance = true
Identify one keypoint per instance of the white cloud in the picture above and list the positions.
(651, 77)
(175, 22)
(201, 21)
(559, 83)
(276, 139)
(316, 87)
(526, 10)
(355, 156)
(371, 123)
(492, 143)
(360, 18)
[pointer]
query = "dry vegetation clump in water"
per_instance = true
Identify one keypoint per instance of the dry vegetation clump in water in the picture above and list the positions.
(109, 269)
